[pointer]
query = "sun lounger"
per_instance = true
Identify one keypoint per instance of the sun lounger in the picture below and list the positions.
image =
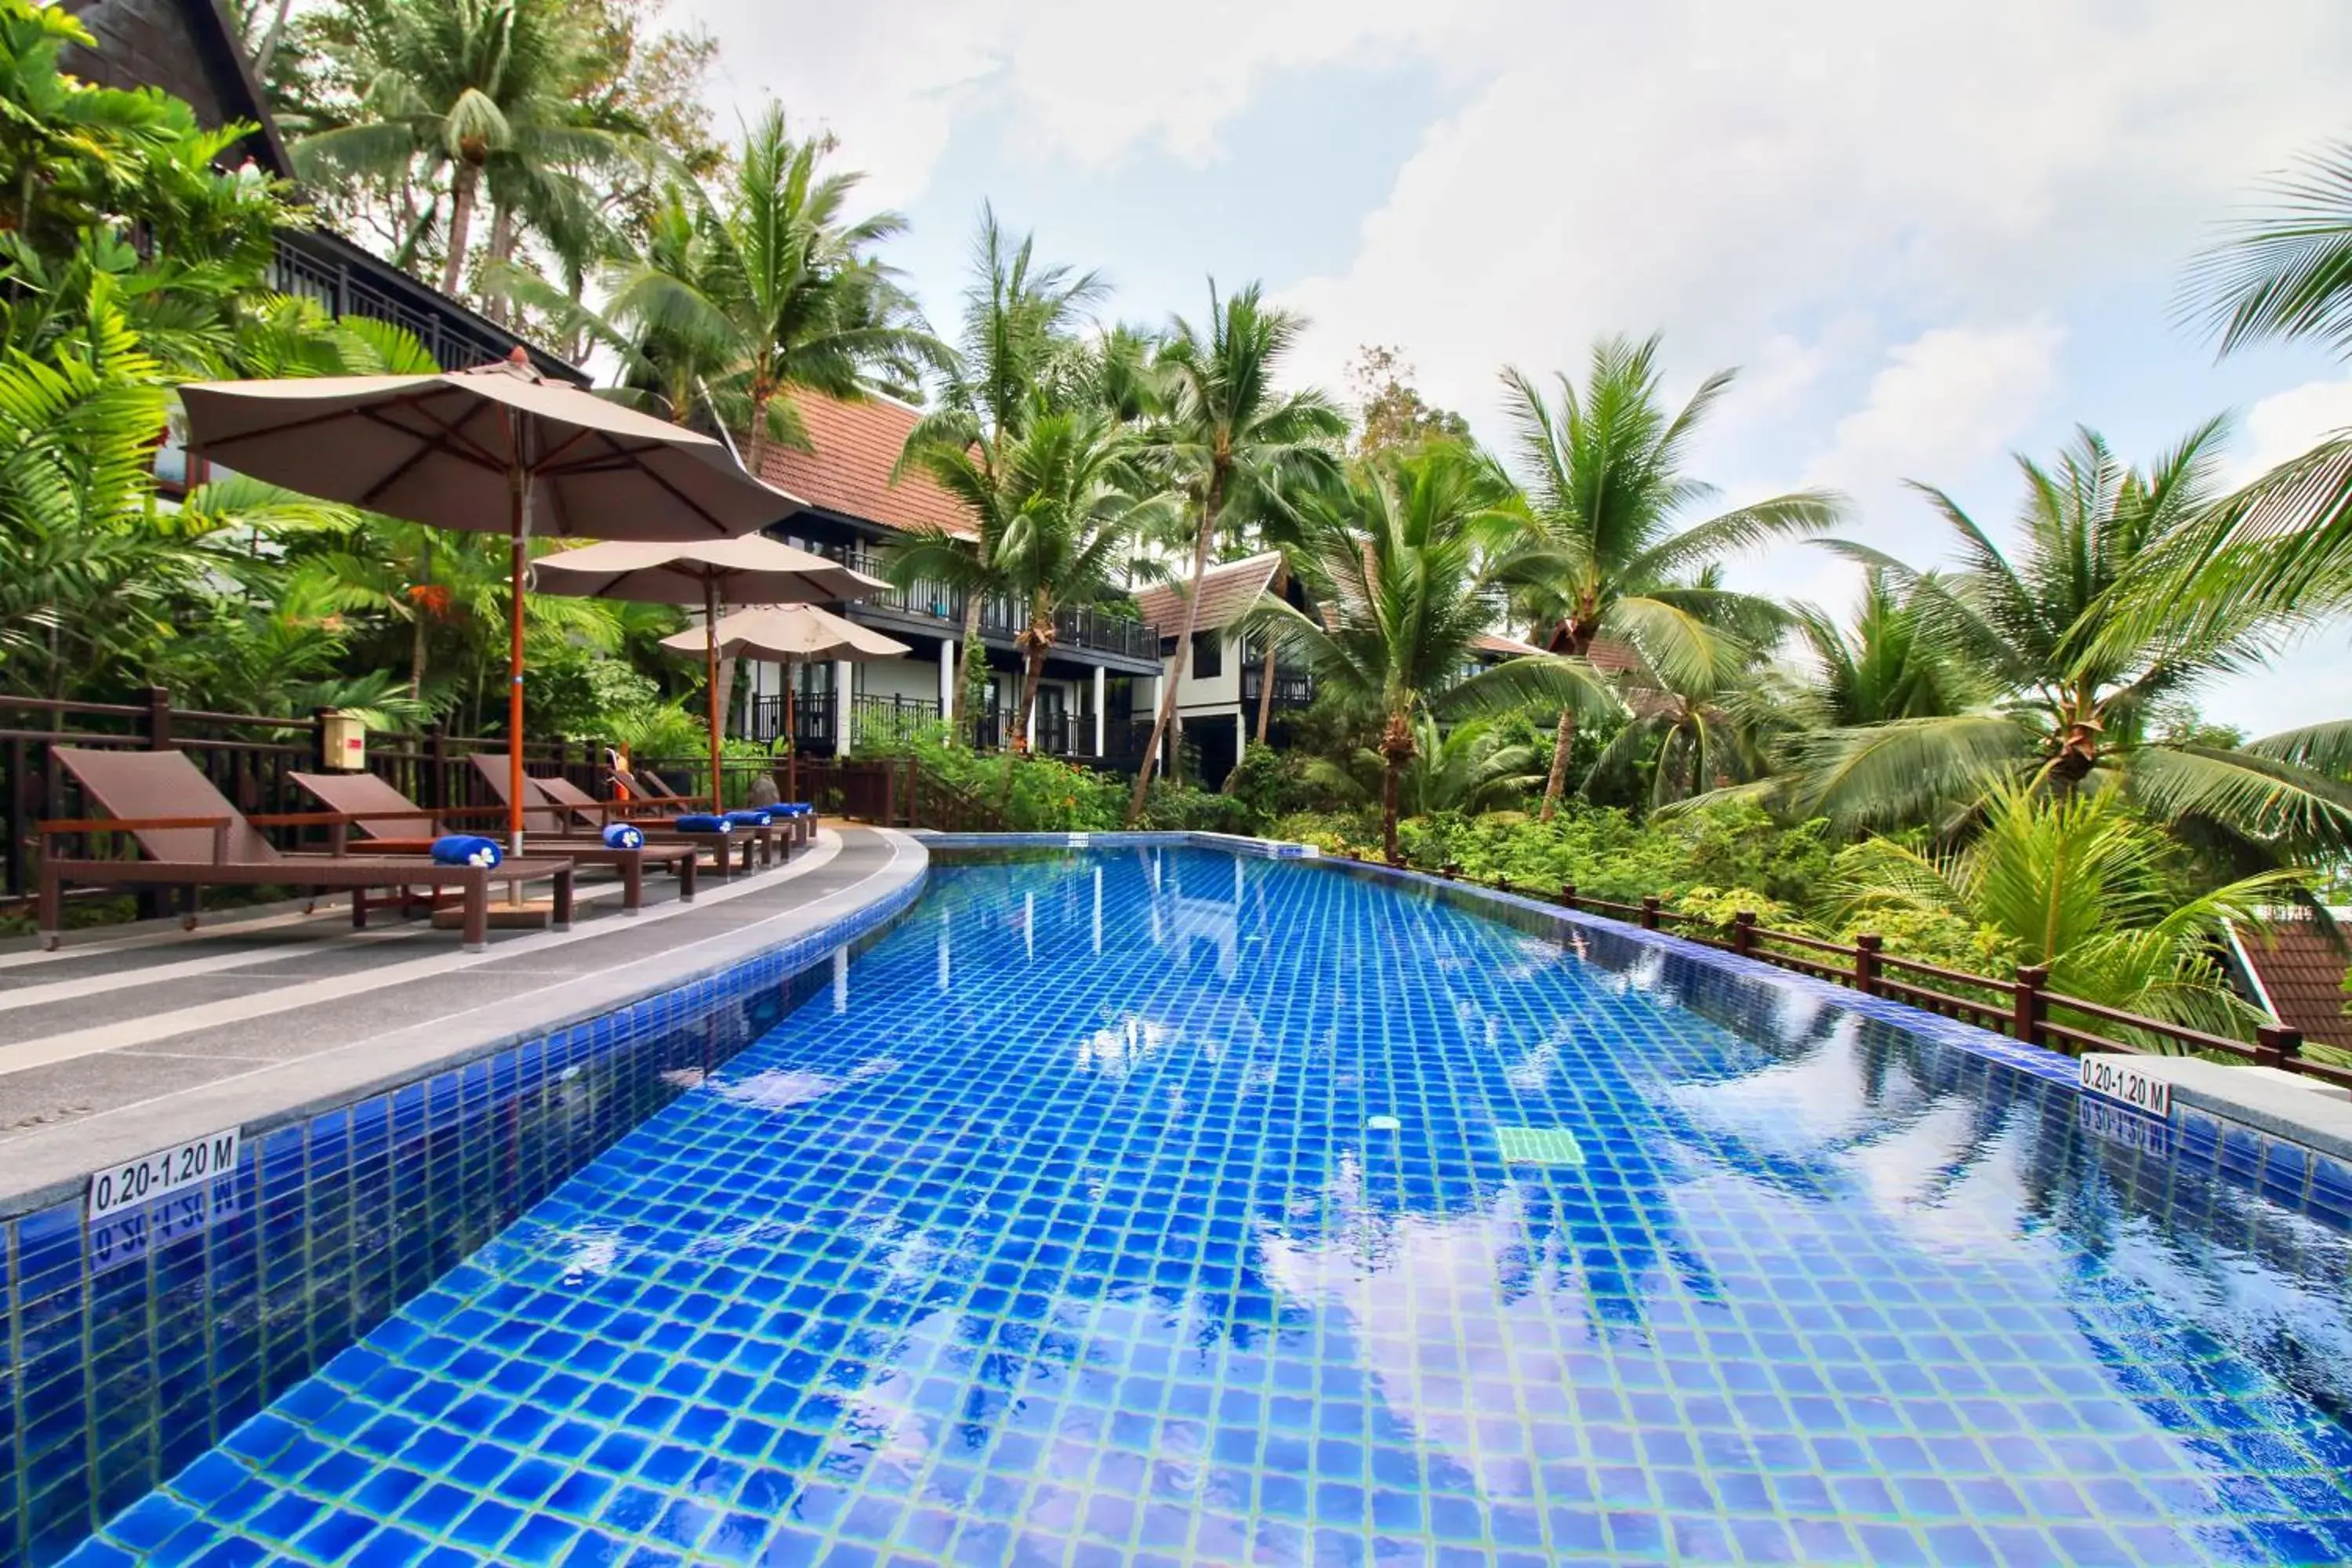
(648, 787)
(544, 813)
(191, 837)
(390, 823)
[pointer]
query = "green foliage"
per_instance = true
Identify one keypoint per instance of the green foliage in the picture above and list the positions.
(1608, 854)
(578, 693)
(2084, 884)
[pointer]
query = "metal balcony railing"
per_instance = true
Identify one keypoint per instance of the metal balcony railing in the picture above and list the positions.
(1090, 629)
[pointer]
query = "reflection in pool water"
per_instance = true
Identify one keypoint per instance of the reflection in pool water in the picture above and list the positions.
(1054, 1232)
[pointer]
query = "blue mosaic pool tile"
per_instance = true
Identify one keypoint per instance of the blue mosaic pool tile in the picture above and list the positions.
(1085, 1255)
(137, 1346)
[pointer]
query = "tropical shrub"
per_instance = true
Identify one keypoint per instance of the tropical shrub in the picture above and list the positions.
(2082, 883)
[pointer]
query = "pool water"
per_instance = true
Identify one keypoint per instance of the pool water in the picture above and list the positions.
(1057, 1231)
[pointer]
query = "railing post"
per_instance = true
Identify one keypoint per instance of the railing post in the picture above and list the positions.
(439, 796)
(159, 718)
(2276, 1046)
(1743, 932)
(1450, 871)
(1865, 961)
(1568, 895)
(2031, 1004)
(1650, 912)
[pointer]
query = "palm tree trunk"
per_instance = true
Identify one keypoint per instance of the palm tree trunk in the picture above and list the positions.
(463, 186)
(1210, 503)
(756, 448)
(1032, 676)
(972, 645)
(502, 248)
(268, 48)
(1265, 676)
(1563, 741)
(1389, 779)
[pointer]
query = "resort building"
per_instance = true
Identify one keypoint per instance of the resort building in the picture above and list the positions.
(1093, 703)
(1217, 699)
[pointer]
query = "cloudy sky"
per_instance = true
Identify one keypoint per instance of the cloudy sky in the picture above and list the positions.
(1929, 234)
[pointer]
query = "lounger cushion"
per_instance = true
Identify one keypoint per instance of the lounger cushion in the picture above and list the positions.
(467, 849)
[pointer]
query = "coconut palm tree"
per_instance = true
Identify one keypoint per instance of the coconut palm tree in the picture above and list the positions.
(477, 96)
(2084, 884)
(1605, 542)
(1883, 665)
(769, 287)
(1056, 505)
(1232, 440)
(2079, 634)
(1392, 548)
(1013, 366)
(1467, 767)
(1701, 727)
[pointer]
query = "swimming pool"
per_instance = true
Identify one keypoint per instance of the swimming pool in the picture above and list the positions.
(1069, 1225)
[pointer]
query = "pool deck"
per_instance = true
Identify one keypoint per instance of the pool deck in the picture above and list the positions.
(132, 1040)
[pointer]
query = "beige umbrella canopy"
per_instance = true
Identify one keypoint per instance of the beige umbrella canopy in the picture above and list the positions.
(499, 449)
(709, 574)
(790, 633)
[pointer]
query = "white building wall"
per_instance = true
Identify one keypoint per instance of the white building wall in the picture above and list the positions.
(1222, 691)
(916, 678)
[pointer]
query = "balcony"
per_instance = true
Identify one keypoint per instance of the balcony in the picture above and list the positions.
(1001, 620)
(1292, 688)
(349, 281)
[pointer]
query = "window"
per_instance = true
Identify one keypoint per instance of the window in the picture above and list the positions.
(1208, 655)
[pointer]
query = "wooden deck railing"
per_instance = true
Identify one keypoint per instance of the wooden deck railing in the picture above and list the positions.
(2021, 1006)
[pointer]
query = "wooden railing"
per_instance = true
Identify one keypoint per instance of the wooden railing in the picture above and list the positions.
(246, 756)
(2021, 1006)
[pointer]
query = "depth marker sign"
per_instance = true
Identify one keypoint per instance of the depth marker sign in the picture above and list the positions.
(131, 1183)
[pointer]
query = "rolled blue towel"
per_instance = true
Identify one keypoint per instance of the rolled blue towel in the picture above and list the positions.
(748, 818)
(621, 836)
(794, 809)
(703, 822)
(466, 849)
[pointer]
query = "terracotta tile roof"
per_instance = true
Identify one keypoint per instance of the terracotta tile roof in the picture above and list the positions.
(2301, 972)
(849, 472)
(1227, 590)
(1607, 657)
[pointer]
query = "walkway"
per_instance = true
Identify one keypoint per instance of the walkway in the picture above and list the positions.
(119, 1046)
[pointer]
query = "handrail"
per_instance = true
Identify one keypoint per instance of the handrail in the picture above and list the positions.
(2019, 1007)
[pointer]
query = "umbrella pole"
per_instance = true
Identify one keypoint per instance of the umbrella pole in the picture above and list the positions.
(517, 490)
(792, 738)
(710, 672)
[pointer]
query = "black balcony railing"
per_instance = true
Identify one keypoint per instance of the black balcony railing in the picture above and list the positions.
(1292, 688)
(312, 269)
(1089, 629)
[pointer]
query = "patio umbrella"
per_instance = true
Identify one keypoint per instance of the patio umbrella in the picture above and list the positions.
(754, 568)
(788, 633)
(499, 449)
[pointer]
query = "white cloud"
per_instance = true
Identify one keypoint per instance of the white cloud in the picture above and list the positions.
(1945, 402)
(1730, 172)
(1082, 84)
(2289, 424)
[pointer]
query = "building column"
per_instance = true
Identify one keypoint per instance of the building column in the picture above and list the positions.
(1029, 718)
(1241, 736)
(844, 713)
(946, 675)
(1102, 686)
